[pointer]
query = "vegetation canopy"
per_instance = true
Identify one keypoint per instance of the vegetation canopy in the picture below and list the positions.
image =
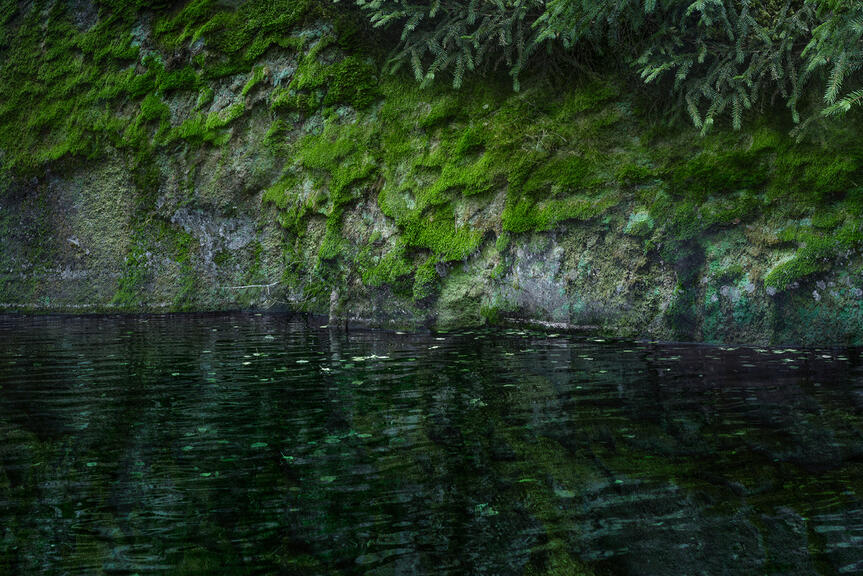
(718, 58)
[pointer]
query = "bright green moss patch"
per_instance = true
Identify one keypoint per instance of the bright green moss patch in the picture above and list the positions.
(210, 128)
(810, 175)
(524, 214)
(436, 230)
(256, 77)
(816, 252)
(426, 279)
(234, 38)
(332, 245)
(280, 192)
(340, 158)
(351, 81)
(392, 266)
(81, 80)
(588, 98)
(441, 110)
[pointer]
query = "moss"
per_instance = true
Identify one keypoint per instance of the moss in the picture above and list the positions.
(733, 208)
(332, 245)
(639, 224)
(339, 157)
(156, 236)
(81, 79)
(562, 174)
(130, 285)
(256, 77)
(441, 110)
(222, 257)
(633, 174)
(279, 193)
(426, 279)
(829, 219)
(502, 242)
(588, 98)
(436, 230)
(187, 281)
(234, 37)
(743, 311)
(724, 168)
(816, 252)
(712, 318)
(438, 160)
(274, 139)
(210, 128)
(728, 274)
(491, 314)
(810, 175)
(389, 268)
(524, 214)
(351, 80)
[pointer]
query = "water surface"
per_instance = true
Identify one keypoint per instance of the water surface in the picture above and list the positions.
(244, 444)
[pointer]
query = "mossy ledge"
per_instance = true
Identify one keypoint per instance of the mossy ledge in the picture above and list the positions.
(200, 156)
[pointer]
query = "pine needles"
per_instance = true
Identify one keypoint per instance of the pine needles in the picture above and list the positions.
(720, 59)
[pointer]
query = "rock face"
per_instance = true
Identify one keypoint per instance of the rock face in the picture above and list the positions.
(291, 174)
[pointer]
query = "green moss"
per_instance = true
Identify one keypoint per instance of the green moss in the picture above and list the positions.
(492, 315)
(391, 267)
(724, 168)
(210, 128)
(682, 315)
(437, 231)
(524, 214)
(130, 286)
(502, 242)
(205, 97)
(816, 252)
(633, 174)
(279, 193)
(562, 174)
(82, 79)
(437, 159)
(441, 110)
(351, 80)
(587, 98)
(811, 174)
(741, 206)
(332, 245)
(712, 319)
(339, 157)
(275, 137)
(256, 77)
(426, 279)
(639, 224)
(187, 280)
(234, 37)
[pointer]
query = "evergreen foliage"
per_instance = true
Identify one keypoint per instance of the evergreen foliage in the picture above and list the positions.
(718, 58)
(457, 36)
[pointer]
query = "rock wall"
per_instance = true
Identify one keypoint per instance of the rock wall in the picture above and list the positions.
(290, 173)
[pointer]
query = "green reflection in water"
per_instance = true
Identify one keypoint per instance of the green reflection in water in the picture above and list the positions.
(265, 445)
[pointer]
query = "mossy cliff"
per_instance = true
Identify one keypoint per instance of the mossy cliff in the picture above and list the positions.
(205, 156)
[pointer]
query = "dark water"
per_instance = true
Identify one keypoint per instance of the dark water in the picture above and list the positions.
(268, 445)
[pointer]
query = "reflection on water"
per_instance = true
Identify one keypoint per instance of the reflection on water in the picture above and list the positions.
(268, 445)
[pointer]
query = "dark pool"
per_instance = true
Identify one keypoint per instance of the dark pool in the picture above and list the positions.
(268, 444)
